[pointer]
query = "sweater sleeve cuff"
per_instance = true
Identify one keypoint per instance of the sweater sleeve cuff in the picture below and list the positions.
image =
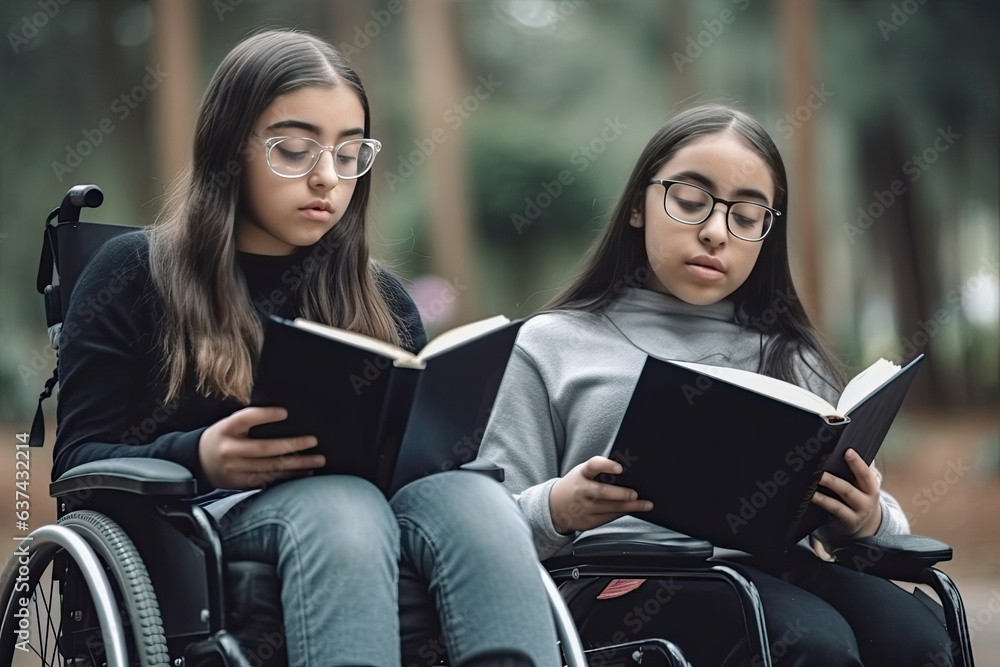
(534, 504)
(185, 449)
(894, 521)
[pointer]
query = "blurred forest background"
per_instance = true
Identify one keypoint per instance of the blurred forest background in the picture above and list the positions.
(509, 128)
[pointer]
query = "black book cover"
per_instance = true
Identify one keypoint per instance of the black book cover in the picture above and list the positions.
(333, 391)
(454, 396)
(869, 423)
(735, 467)
(386, 423)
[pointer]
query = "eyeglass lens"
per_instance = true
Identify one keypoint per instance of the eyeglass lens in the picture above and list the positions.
(692, 205)
(295, 156)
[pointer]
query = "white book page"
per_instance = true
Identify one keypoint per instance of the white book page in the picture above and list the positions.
(767, 385)
(459, 335)
(399, 356)
(864, 383)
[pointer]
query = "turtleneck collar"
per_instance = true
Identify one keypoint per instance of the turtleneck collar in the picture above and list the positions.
(272, 279)
(249, 260)
(664, 326)
(634, 298)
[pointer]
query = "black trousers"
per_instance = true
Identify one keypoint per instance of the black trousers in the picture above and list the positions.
(816, 613)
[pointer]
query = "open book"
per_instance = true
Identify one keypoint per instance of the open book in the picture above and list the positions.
(734, 457)
(377, 410)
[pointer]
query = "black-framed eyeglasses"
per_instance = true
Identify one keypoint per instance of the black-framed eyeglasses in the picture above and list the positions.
(291, 157)
(693, 204)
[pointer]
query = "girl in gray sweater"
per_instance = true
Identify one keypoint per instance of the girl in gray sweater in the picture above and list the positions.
(694, 266)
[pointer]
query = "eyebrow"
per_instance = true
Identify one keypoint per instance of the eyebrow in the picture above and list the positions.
(309, 127)
(707, 182)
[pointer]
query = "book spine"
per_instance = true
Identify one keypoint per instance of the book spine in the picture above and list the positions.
(829, 436)
(396, 410)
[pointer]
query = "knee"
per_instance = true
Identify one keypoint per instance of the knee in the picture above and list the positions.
(462, 502)
(347, 512)
(461, 494)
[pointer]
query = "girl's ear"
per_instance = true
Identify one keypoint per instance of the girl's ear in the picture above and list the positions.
(637, 219)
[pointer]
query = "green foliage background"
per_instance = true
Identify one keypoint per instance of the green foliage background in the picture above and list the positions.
(893, 75)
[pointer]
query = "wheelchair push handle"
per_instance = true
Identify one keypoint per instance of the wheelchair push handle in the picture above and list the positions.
(79, 197)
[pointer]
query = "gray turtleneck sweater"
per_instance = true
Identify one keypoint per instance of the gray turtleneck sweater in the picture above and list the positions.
(569, 381)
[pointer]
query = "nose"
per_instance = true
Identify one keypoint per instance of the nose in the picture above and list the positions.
(324, 174)
(715, 230)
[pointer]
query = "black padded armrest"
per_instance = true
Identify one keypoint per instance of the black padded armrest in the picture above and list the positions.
(892, 556)
(625, 544)
(628, 549)
(141, 476)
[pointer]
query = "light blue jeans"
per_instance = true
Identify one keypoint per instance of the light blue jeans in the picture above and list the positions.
(447, 566)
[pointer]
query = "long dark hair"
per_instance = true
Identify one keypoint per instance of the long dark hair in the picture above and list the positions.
(209, 321)
(766, 301)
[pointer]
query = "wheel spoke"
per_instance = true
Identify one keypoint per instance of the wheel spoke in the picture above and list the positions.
(40, 651)
(55, 654)
(48, 611)
(136, 621)
(43, 632)
(49, 604)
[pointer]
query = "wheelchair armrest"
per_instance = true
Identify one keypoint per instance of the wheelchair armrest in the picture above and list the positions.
(486, 467)
(627, 549)
(626, 544)
(141, 476)
(900, 557)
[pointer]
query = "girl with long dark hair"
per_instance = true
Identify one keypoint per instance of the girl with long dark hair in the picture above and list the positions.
(271, 217)
(693, 266)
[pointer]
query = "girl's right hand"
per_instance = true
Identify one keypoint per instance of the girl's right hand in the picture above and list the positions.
(578, 502)
(233, 460)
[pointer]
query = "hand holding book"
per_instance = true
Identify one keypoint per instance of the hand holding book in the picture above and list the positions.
(857, 507)
(578, 501)
(232, 459)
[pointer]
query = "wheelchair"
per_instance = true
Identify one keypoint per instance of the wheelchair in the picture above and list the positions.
(133, 572)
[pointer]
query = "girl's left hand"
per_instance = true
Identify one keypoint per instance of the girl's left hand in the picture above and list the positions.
(858, 511)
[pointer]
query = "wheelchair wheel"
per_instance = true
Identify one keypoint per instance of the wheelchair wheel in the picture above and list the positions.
(59, 611)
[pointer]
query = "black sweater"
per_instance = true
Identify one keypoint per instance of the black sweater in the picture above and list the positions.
(111, 381)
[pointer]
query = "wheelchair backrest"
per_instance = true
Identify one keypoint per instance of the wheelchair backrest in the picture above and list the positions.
(67, 247)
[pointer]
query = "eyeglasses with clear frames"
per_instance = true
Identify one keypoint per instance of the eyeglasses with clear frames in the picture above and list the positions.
(692, 205)
(292, 157)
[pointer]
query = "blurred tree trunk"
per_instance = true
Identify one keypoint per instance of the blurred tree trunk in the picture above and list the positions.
(899, 237)
(439, 81)
(360, 36)
(799, 36)
(678, 77)
(175, 50)
(346, 19)
(129, 134)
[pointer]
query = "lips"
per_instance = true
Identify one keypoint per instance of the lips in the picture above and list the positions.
(708, 262)
(318, 205)
(318, 210)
